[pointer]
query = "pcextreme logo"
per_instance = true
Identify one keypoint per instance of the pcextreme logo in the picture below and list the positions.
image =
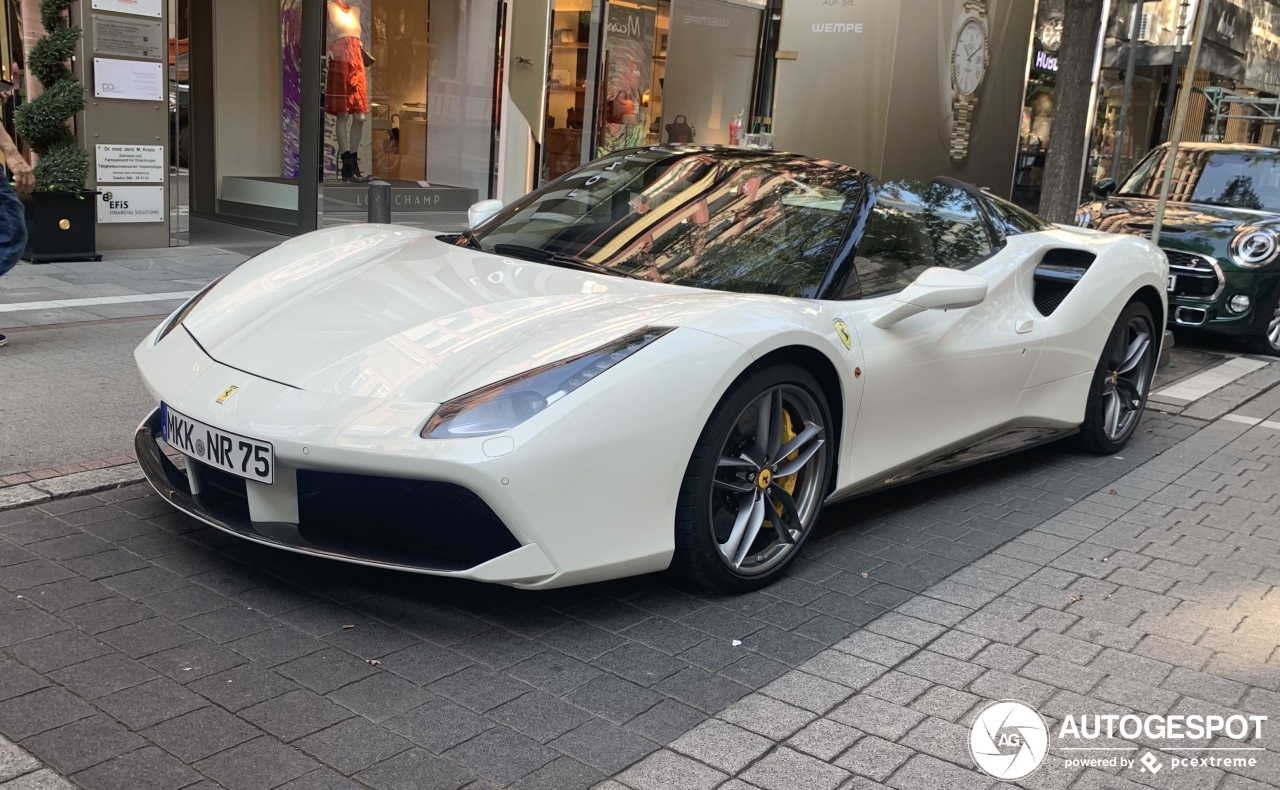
(1009, 740)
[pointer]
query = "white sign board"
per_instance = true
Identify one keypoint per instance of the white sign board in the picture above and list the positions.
(130, 204)
(128, 79)
(139, 7)
(139, 164)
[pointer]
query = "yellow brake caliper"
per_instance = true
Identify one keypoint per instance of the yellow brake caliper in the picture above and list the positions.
(787, 483)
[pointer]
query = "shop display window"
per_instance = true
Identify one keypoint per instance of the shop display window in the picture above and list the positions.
(643, 72)
(409, 99)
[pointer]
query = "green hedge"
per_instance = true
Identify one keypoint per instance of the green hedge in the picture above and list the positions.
(43, 122)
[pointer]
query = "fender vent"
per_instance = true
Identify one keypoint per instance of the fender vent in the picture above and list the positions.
(1056, 274)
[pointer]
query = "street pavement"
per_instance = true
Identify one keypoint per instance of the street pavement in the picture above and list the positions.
(70, 394)
(140, 649)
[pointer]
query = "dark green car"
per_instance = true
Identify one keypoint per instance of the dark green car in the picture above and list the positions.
(1221, 234)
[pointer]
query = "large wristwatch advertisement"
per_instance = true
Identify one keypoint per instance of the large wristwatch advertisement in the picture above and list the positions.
(970, 57)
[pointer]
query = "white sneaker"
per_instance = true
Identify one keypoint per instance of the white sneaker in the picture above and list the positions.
(3, 340)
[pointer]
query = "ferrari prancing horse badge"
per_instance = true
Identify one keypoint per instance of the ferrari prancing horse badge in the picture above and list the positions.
(842, 330)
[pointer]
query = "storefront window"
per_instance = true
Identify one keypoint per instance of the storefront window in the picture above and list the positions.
(631, 49)
(409, 99)
(642, 72)
(709, 37)
(407, 94)
(569, 78)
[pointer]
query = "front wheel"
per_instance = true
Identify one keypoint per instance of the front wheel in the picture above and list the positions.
(1269, 341)
(756, 481)
(1121, 382)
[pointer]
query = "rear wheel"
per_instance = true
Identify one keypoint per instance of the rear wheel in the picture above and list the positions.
(1121, 382)
(756, 481)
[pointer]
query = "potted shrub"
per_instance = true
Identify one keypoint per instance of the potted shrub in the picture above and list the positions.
(61, 213)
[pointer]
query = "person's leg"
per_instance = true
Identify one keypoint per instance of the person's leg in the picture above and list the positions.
(13, 229)
(13, 225)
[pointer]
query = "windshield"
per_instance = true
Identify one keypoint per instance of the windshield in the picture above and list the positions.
(751, 223)
(1242, 179)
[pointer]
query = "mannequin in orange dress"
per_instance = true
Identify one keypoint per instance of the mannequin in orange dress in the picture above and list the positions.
(346, 93)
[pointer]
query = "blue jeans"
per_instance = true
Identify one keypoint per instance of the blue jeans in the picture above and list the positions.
(13, 225)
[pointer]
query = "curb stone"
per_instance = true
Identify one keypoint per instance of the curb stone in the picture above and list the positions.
(68, 486)
(20, 771)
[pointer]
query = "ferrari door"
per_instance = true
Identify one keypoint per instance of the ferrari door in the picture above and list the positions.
(939, 379)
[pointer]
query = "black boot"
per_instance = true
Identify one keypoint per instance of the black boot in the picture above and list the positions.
(356, 175)
(348, 166)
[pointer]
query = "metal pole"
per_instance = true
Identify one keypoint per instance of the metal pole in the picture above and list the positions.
(379, 202)
(1122, 126)
(1180, 121)
(1171, 94)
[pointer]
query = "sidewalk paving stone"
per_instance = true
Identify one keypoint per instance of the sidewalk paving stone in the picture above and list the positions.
(205, 659)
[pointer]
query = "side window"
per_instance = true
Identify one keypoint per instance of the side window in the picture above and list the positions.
(913, 226)
(893, 251)
(1015, 219)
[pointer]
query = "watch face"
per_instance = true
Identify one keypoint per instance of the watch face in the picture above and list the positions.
(969, 59)
(1051, 33)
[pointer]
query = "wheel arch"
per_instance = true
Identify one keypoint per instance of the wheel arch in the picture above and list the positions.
(824, 370)
(1150, 297)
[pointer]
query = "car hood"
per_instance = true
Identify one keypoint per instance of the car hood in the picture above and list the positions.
(1193, 226)
(388, 312)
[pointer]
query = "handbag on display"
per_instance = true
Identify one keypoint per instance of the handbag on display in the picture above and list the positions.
(369, 60)
(619, 109)
(680, 130)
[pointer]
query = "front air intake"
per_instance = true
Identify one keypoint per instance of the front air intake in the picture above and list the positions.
(422, 523)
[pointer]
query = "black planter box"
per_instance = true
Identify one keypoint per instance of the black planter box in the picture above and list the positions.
(62, 226)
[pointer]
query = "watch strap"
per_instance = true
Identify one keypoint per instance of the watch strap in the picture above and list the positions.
(976, 8)
(961, 124)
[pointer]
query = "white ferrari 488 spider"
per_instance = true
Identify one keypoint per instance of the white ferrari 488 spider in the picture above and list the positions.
(673, 356)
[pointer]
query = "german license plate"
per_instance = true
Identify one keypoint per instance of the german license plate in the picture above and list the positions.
(1173, 283)
(241, 456)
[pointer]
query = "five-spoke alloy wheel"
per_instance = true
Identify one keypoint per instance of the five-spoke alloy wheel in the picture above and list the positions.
(1122, 382)
(756, 481)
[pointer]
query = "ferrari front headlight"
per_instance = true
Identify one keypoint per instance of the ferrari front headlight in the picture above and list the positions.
(1253, 248)
(181, 313)
(505, 404)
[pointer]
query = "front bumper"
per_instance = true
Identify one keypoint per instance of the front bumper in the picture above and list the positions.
(1186, 312)
(327, 529)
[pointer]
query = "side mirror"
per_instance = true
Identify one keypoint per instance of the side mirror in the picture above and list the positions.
(938, 288)
(1104, 188)
(482, 211)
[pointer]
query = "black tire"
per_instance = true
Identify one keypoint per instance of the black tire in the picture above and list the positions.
(1269, 341)
(1095, 434)
(698, 554)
